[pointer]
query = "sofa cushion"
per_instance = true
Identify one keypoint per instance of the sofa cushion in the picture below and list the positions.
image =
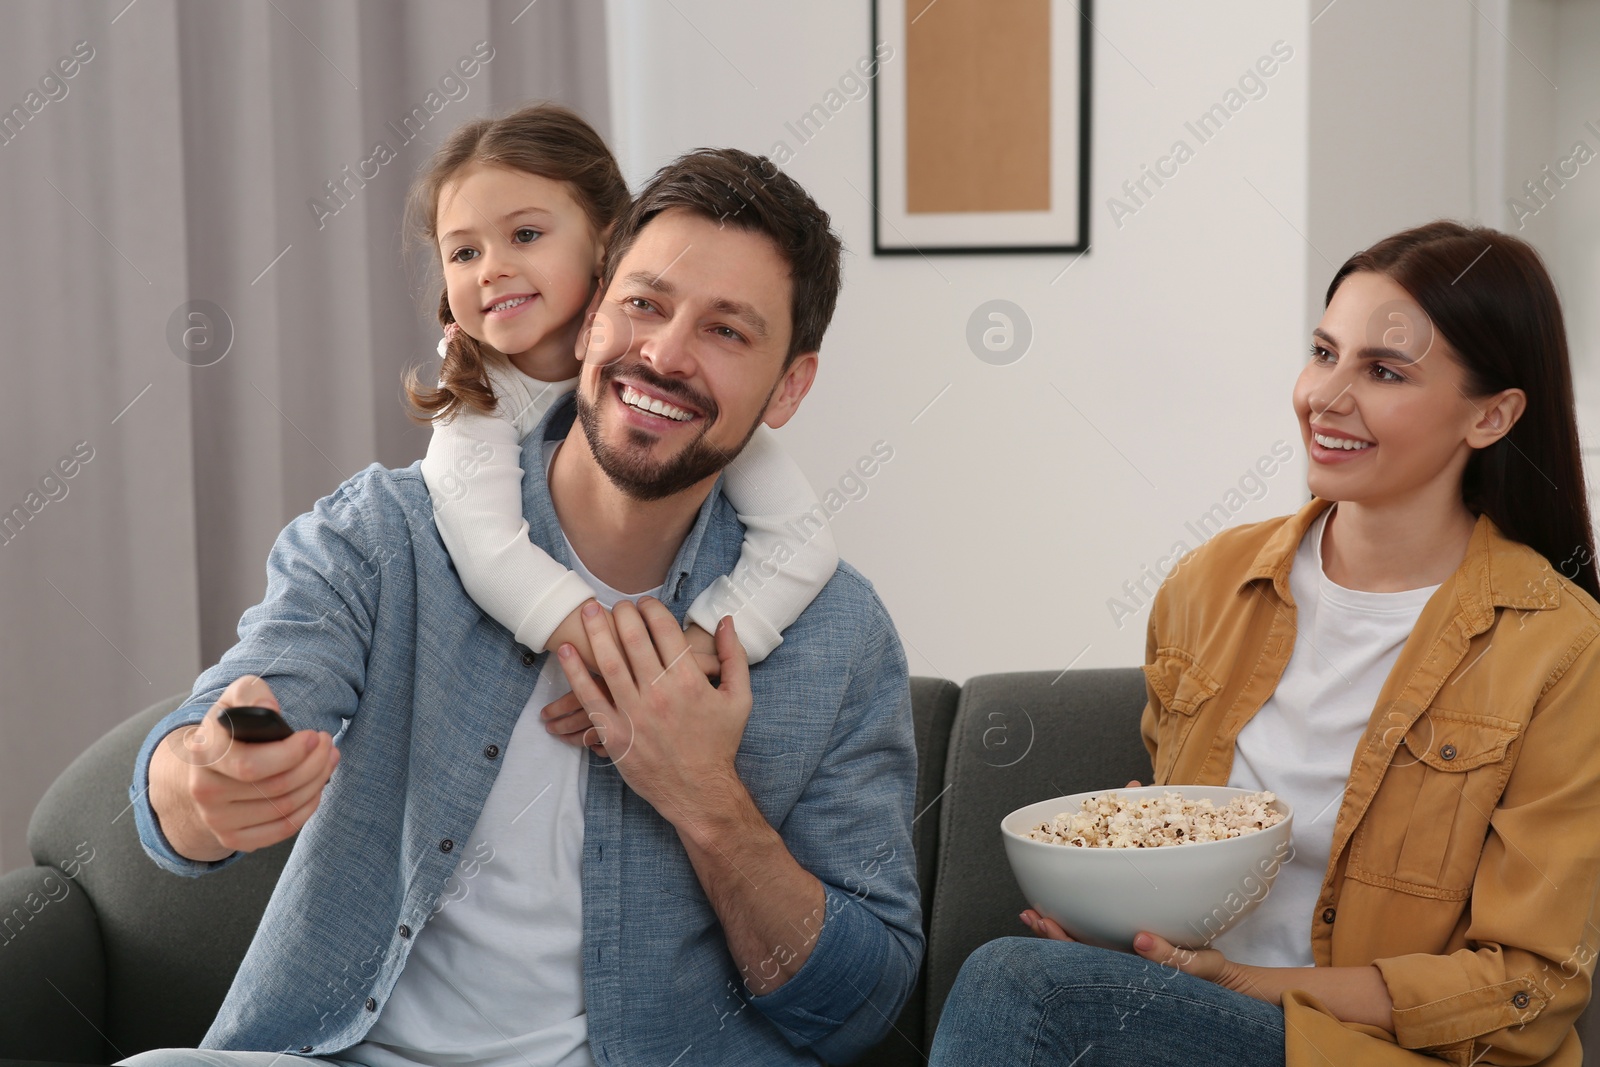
(172, 944)
(52, 988)
(933, 707)
(1018, 738)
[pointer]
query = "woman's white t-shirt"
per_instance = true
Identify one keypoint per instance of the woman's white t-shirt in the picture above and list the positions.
(1302, 741)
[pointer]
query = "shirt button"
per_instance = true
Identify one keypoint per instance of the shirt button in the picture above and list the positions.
(1520, 1000)
(491, 752)
(528, 659)
(446, 845)
(372, 1005)
(305, 1048)
(1327, 915)
(405, 931)
(1448, 752)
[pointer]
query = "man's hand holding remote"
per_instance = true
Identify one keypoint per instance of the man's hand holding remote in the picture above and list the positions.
(214, 796)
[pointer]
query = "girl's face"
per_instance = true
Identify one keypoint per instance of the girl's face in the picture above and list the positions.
(520, 258)
(1382, 405)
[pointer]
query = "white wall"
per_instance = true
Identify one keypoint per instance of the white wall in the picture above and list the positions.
(1012, 512)
(1539, 91)
(1573, 245)
(1392, 132)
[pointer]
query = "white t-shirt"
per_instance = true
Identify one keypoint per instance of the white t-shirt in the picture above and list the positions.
(495, 978)
(1302, 741)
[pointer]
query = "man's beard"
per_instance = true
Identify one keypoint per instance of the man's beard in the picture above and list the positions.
(634, 474)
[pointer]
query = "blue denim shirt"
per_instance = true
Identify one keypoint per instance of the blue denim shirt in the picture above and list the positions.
(366, 628)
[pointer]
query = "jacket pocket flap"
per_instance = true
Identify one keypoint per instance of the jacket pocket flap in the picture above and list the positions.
(1180, 684)
(1447, 741)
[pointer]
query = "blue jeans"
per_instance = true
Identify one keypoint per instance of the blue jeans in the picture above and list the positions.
(1026, 1001)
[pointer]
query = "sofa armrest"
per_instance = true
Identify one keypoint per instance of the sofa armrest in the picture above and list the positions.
(52, 969)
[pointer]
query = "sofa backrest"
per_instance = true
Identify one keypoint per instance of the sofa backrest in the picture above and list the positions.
(1018, 738)
(171, 944)
(933, 707)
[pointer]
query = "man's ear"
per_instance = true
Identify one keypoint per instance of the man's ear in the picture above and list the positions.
(1496, 416)
(602, 242)
(580, 345)
(792, 387)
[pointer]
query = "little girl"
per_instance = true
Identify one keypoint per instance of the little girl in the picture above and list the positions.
(516, 290)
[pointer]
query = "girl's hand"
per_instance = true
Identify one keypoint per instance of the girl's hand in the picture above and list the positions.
(567, 722)
(571, 632)
(703, 647)
(1205, 963)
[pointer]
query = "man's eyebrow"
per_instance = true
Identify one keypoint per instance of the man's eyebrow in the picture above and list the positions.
(517, 214)
(735, 308)
(1371, 352)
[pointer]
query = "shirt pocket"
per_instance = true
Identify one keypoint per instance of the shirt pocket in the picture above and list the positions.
(1435, 802)
(1181, 688)
(774, 783)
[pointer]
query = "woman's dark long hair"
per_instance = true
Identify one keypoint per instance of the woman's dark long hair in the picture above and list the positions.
(1492, 300)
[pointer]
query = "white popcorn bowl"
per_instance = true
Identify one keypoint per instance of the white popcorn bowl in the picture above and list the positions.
(1188, 894)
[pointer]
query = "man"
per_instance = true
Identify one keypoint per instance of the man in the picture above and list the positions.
(728, 879)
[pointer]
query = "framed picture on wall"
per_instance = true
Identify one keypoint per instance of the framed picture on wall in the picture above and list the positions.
(981, 126)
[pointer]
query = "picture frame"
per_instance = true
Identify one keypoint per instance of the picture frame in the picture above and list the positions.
(970, 165)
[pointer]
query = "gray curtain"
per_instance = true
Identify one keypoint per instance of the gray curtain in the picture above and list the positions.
(207, 311)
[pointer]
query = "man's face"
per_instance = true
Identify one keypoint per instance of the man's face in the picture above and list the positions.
(685, 355)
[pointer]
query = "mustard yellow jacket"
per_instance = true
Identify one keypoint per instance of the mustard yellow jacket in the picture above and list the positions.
(1466, 854)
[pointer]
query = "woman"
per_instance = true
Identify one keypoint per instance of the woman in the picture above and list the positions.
(1411, 661)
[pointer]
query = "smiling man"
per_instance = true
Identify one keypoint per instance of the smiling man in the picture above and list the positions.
(725, 877)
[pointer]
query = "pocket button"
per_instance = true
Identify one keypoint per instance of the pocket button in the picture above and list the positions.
(1447, 752)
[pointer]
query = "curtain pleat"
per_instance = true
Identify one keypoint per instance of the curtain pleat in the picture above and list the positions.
(205, 181)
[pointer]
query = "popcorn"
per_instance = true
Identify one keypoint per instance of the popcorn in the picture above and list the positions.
(1113, 820)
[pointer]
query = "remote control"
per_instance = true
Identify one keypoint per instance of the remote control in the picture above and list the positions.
(254, 725)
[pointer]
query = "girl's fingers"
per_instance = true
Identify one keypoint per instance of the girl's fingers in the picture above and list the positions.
(734, 664)
(560, 708)
(573, 729)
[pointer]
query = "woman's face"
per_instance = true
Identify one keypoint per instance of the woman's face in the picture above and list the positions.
(1383, 407)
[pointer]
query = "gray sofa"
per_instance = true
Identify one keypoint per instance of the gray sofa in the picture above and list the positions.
(116, 959)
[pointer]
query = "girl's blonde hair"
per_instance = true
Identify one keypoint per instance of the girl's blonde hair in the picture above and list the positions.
(544, 139)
